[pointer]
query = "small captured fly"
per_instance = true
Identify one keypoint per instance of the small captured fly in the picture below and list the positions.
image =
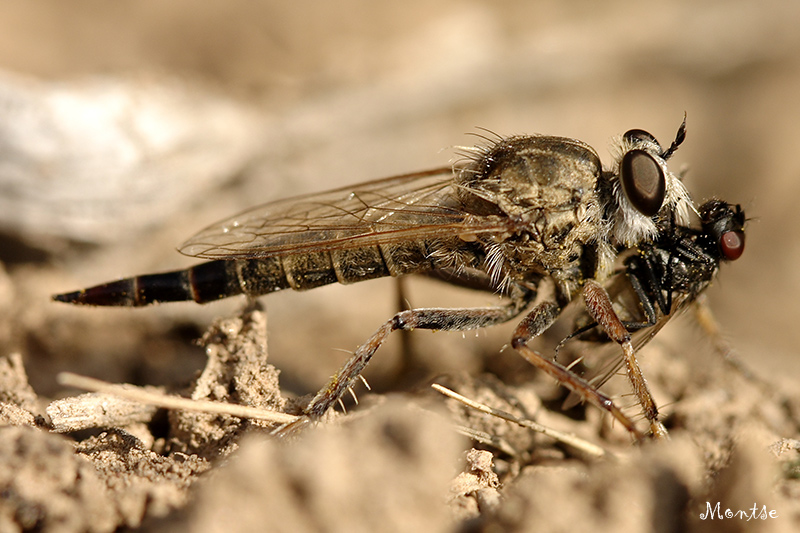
(657, 282)
(513, 214)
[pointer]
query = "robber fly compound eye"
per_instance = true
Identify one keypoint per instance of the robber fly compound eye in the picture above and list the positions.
(640, 136)
(643, 181)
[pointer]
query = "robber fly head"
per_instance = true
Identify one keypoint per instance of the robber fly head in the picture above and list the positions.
(643, 190)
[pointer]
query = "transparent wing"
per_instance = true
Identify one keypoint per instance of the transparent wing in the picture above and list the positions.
(412, 206)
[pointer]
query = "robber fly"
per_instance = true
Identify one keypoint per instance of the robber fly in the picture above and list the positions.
(512, 214)
(658, 280)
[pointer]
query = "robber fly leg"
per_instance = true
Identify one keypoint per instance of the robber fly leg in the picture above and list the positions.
(537, 322)
(434, 318)
(599, 306)
(648, 293)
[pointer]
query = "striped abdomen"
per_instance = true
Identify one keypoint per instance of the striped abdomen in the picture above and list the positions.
(223, 278)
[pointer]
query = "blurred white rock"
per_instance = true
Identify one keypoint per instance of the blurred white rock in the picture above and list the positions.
(98, 158)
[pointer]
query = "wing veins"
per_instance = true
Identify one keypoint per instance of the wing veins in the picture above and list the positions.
(413, 206)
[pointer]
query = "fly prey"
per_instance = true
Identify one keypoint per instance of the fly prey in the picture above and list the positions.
(659, 280)
(514, 213)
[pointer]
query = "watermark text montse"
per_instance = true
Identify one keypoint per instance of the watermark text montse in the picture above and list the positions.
(754, 513)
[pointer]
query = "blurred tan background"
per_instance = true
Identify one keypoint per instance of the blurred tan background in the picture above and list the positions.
(308, 95)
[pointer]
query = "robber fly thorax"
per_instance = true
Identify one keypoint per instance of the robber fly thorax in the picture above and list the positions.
(515, 212)
(571, 216)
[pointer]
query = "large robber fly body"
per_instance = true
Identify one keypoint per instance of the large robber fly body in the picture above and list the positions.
(516, 212)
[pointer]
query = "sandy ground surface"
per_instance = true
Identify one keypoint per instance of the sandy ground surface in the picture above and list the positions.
(127, 127)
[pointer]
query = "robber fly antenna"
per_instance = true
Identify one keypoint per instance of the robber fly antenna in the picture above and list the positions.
(679, 138)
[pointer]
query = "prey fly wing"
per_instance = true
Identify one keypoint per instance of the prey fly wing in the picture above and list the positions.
(606, 361)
